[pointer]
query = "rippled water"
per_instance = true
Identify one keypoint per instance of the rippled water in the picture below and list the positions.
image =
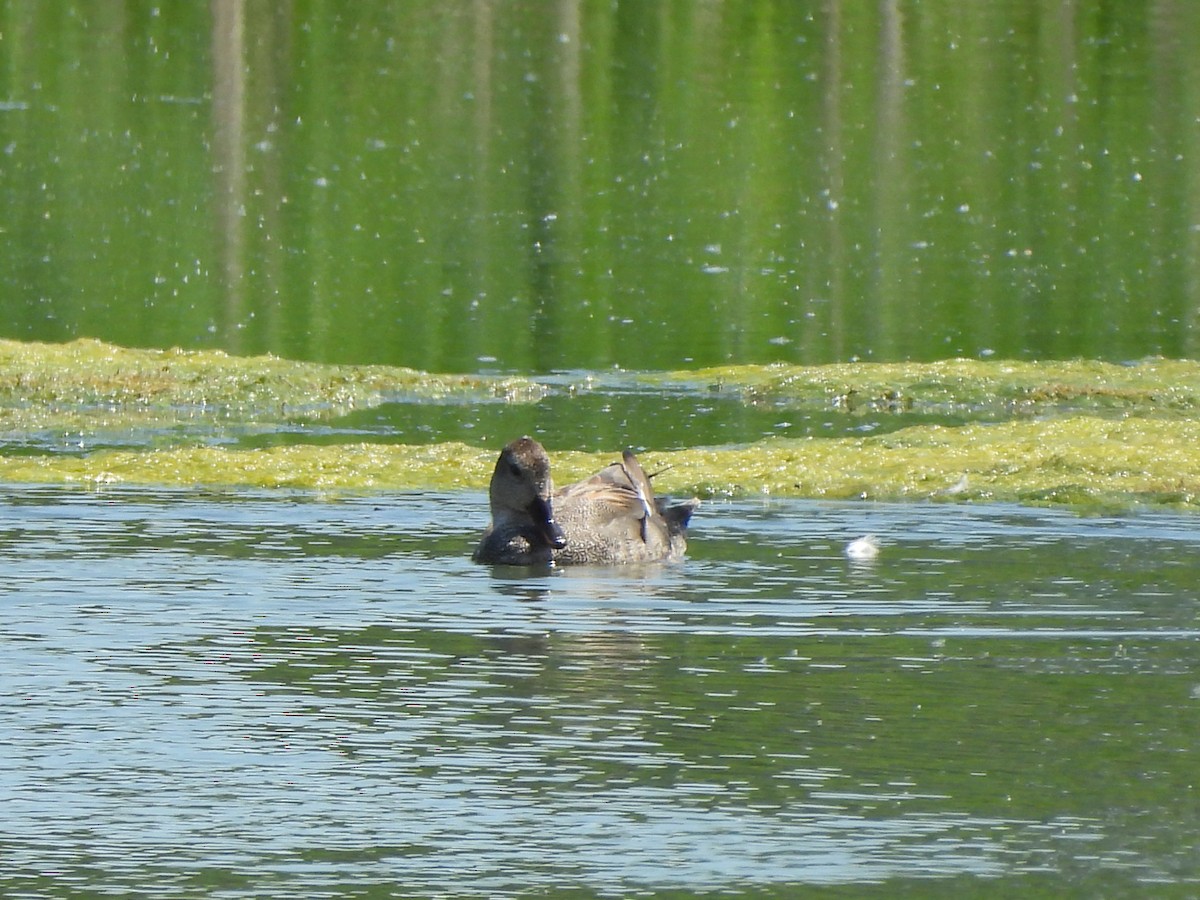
(286, 695)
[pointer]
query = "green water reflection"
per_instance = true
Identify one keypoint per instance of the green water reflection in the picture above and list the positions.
(530, 186)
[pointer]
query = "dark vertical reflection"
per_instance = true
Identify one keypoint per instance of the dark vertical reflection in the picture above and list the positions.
(269, 55)
(833, 163)
(1183, 17)
(559, 226)
(1175, 75)
(543, 184)
(891, 187)
(229, 158)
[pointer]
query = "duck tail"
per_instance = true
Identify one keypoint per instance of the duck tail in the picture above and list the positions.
(678, 514)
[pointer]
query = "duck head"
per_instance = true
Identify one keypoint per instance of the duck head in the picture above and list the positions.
(521, 489)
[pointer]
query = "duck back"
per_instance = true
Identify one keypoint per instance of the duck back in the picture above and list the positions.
(614, 517)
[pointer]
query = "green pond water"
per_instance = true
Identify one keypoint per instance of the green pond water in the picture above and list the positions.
(530, 186)
(279, 280)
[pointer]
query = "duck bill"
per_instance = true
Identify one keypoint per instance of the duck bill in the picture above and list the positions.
(543, 521)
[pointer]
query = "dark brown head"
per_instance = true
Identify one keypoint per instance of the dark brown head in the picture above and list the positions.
(521, 490)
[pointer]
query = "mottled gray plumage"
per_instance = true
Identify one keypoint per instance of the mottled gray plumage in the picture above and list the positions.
(611, 517)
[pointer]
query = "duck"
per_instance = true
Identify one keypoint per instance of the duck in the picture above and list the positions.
(609, 518)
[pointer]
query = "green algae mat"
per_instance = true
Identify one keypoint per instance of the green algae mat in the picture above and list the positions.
(1082, 433)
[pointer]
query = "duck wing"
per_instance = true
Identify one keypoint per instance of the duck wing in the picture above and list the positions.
(613, 517)
(610, 495)
(674, 516)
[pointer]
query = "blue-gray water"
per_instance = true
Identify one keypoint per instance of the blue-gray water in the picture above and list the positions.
(291, 695)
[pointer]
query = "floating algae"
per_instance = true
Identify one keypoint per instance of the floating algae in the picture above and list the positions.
(1086, 434)
(86, 394)
(1005, 387)
(1077, 460)
(88, 375)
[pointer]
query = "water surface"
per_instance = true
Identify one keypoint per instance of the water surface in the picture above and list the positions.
(457, 185)
(282, 695)
(279, 694)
